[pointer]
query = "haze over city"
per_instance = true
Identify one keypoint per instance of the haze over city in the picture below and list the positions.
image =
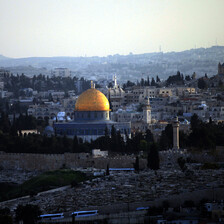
(90, 27)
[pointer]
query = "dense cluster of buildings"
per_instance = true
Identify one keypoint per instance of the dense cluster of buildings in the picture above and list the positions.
(141, 107)
(144, 108)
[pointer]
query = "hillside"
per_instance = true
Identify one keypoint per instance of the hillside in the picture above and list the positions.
(46, 181)
(132, 66)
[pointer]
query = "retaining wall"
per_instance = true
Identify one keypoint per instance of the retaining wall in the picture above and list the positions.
(30, 161)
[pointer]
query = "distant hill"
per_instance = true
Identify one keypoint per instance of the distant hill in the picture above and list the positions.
(27, 70)
(200, 60)
(3, 57)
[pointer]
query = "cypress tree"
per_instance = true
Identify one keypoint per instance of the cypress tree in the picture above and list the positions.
(153, 157)
(136, 164)
(75, 145)
(107, 171)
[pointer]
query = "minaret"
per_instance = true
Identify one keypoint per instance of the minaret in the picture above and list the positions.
(115, 81)
(176, 125)
(147, 111)
(92, 85)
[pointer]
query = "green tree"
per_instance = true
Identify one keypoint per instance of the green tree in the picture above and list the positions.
(6, 219)
(202, 84)
(188, 204)
(143, 145)
(110, 85)
(120, 146)
(5, 123)
(142, 82)
(181, 162)
(148, 82)
(136, 164)
(195, 122)
(153, 82)
(66, 143)
(135, 142)
(183, 139)
(153, 157)
(75, 144)
(166, 205)
(108, 170)
(220, 83)
(106, 142)
(113, 145)
(28, 213)
(149, 136)
(5, 216)
(166, 139)
(13, 129)
(187, 78)
(175, 79)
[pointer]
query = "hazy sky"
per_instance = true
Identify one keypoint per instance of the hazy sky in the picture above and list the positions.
(103, 27)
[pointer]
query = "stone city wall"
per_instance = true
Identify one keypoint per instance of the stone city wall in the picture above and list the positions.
(30, 161)
(171, 156)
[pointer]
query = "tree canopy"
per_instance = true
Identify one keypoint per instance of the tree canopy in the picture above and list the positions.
(28, 213)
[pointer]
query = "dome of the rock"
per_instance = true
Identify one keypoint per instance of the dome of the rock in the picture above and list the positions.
(92, 100)
(91, 118)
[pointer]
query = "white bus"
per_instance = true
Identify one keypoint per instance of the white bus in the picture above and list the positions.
(85, 213)
(52, 216)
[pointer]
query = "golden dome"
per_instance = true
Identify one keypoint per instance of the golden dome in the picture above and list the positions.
(92, 100)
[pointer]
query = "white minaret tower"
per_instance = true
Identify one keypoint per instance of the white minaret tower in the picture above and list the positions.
(176, 125)
(92, 85)
(115, 81)
(147, 111)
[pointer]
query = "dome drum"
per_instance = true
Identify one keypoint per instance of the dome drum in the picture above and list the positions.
(91, 115)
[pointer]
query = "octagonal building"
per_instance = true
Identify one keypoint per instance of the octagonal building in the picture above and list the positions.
(91, 118)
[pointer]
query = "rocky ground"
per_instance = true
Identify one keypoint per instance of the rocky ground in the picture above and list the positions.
(16, 176)
(122, 187)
